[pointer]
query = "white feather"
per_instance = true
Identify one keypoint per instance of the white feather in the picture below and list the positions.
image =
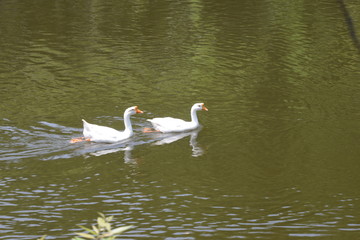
(169, 124)
(98, 133)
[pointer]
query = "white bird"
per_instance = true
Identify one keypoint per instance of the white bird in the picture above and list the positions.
(169, 124)
(96, 133)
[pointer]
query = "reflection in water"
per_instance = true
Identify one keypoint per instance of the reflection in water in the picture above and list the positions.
(51, 141)
(197, 151)
(99, 149)
(280, 76)
(166, 138)
(128, 158)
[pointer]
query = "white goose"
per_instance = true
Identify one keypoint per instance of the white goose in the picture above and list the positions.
(169, 124)
(96, 133)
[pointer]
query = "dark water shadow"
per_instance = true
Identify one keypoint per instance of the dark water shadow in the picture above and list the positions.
(350, 24)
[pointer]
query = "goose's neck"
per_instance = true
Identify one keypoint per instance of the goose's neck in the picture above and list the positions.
(194, 118)
(127, 123)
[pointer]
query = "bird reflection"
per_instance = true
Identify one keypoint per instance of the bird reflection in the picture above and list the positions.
(167, 138)
(128, 158)
(197, 151)
(98, 149)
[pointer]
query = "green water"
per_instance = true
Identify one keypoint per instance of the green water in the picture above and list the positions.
(277, 156)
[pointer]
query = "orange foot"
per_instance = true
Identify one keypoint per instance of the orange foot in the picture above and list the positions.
(149, 130)
(79, 139)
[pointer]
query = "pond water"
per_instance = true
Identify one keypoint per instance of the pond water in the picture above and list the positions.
(277, 156)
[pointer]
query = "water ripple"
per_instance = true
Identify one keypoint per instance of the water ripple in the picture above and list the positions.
(50, 141)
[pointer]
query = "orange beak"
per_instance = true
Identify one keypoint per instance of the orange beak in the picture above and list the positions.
(204, 108)
(137, 110)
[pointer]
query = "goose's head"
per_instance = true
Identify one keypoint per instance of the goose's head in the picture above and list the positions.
(132, 110)
(199, 106)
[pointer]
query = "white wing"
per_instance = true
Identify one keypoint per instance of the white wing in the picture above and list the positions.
(100, 133)
(169, 124)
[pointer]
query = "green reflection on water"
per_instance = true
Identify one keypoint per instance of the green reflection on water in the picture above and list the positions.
(278, 146)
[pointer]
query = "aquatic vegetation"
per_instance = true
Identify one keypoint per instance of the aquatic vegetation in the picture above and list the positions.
(101, 231)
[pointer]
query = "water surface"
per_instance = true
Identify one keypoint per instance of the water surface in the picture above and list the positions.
(276, 158)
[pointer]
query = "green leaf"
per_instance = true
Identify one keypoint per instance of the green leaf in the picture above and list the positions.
(107, 226)
(109, 238)
(120, 230)
(96, 230)
(86, 235)
(101, 215)
(42, 238)
(108, 234)
(109, 219)
(77, 238)
(87, 229)
(101, 222)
